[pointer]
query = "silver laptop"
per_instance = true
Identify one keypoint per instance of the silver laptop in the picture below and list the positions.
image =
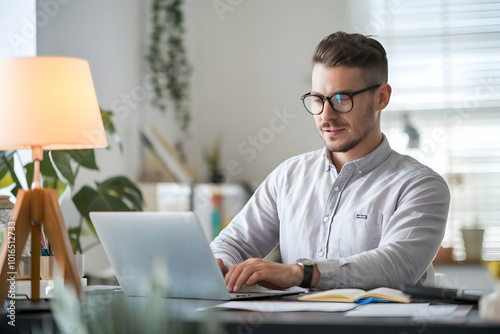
(171, 244)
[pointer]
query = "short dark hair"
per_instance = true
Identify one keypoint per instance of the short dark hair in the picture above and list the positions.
(353, 50)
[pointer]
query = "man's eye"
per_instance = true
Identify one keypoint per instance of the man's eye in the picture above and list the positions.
(341, 98)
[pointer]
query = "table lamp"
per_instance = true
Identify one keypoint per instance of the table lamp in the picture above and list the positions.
(46, 103)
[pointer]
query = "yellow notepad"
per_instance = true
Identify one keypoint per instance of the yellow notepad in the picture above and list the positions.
(352, 295)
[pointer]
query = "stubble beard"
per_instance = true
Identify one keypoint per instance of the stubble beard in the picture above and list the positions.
(368, 122)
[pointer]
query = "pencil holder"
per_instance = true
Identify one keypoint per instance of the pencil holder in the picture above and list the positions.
(49, 269)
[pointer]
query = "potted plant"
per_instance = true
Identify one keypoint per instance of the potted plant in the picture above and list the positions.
(167, 60)
(473, 242)
(212, 158)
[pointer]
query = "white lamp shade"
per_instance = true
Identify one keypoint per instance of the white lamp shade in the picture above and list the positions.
(50, 103)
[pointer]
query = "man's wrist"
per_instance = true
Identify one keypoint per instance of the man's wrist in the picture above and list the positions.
(316, 276)
(298, 274)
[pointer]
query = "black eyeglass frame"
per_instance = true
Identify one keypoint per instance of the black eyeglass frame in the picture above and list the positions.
(329, 99)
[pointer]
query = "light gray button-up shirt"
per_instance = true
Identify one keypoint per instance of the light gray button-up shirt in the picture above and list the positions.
(379, 222)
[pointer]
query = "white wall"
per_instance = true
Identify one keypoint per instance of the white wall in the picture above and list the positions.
(17, 28)
(17, 39)
(250, 63)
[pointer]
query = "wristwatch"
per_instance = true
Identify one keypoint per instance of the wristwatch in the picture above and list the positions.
(308, 266)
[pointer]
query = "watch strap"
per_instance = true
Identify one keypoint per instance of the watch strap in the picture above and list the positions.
(308, 274)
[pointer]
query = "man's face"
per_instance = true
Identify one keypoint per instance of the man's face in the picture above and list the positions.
(351, 131)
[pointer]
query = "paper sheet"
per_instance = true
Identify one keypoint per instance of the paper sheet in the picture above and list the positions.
(284, 306)
(388, 310)
(444, 314)
(418, 312)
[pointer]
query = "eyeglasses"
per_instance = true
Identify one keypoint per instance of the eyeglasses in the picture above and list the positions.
(340, 102)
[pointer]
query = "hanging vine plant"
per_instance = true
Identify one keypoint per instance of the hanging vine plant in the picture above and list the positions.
(167, 60)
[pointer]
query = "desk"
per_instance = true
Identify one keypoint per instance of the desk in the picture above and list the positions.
(216, 321)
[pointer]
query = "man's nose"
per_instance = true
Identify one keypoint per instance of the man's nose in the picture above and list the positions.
(328, 112)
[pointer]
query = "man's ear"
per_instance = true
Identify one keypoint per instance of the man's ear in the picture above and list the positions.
(383, 96)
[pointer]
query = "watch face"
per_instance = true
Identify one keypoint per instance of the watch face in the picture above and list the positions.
(306, 262)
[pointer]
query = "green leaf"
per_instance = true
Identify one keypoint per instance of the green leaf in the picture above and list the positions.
(62, 166)
(75, 243)
(123, 188)
(7, 167)
(74, 238)
(114, 194)
(107, 121)
(85, 158)
(6, 157)
(46, 167)
(55, 183)
(61, 187)
(77, 230)
(85, 201)
(29, 169)
(16, 189)
(6, 180)
(110, 127)
(47, 171)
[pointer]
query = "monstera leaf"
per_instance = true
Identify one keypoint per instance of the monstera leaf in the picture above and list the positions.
(110, 127)
(7, 174)
(114, 194)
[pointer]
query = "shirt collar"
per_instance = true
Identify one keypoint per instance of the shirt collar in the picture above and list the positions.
(369, 161)
(328, 164)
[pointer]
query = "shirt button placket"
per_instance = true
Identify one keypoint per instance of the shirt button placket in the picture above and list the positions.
(326, 219)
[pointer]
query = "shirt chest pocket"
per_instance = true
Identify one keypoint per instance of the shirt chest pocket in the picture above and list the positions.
(360, 233)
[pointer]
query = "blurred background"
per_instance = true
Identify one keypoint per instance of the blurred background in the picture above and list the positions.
(250, 61)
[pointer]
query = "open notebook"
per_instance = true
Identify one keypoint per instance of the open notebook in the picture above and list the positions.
(357, 295)
(174, 245)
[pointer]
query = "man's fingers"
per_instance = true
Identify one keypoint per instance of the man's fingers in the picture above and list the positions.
(257, 271)
(231, 277)
(222, 267)
(239, 274)
(249, 276)
(254, 278)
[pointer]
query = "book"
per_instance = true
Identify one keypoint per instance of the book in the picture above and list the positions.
(355, 295)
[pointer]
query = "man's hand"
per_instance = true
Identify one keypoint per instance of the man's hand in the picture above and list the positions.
(222, 267)
(268, 274)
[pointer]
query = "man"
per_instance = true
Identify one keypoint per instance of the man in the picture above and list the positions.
(355, 214)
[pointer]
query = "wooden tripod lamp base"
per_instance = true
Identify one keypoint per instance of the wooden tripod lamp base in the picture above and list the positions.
(32, 209)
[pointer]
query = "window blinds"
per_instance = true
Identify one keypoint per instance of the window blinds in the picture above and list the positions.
(444, 67)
